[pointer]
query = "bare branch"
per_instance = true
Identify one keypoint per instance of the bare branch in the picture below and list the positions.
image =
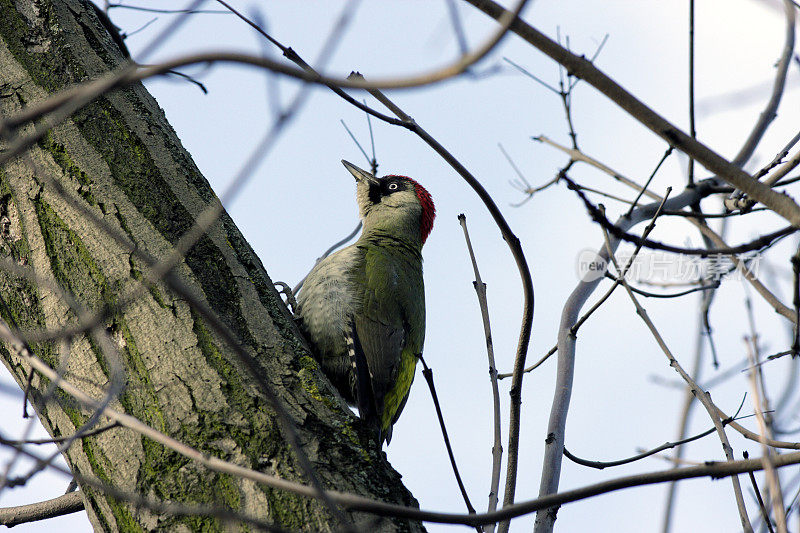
(756, 244)
(328, 252)
(497, 447)
(759, 402)
(600, 465)
(692, 126)
(582, 68)
(701, 395)
(428, 374)
(69, 503)
(770, 111)
(761, 506)
(95, 431)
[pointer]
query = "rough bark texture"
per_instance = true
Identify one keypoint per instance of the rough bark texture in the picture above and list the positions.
(120, 156)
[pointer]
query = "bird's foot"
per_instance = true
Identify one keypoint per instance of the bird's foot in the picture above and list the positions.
(288, 295)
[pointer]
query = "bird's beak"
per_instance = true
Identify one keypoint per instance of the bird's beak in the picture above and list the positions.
(360, 175)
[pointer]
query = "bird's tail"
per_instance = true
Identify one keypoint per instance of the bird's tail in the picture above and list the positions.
(365, 395)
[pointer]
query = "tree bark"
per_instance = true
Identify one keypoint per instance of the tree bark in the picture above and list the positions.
(120, 157)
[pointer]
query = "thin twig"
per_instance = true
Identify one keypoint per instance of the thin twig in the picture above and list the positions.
(428, 374)
(648, 294)
(750, 276)
(796, 301)
(353, 137)
(170, 11)
(783, 170)
(600, 465)
(759, 401)
(703, 332)
(95, 431)
(27, 391)
(328, 252)
(777, 160)
(578, 155)
(761, 506)
(532, 76)
(373, 163)
(770, 110)
(692, 127)
(524, 182)
(497, 446)
(759, 243)
(650, 179)
(702, 395)
(533, 367)
(458, 27)
(582, 68)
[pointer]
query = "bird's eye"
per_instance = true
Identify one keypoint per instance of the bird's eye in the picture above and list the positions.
(392, 186)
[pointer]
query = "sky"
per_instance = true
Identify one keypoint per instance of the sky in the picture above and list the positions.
(301, 200)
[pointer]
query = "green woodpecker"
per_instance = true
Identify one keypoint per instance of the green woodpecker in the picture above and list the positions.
(363, 307)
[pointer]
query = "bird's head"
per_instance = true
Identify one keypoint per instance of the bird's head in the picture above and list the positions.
(394, 204)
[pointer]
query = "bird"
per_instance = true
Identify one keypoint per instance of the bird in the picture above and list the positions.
(362, 308)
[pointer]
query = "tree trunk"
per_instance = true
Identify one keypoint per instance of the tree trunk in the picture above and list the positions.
(121, 159)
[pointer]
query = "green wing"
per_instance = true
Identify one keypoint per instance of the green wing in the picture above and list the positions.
(390, 325)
